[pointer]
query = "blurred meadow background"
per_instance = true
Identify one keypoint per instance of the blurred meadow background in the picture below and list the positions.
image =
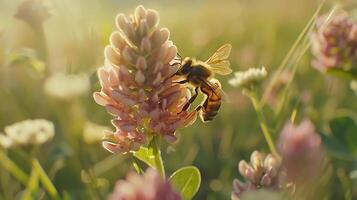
(72, 42)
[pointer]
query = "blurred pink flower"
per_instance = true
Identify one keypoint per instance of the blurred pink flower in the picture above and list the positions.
(334, 44)
(274, 94)
(301, 151)
(261, 172)
(138, 86)
(151, 186)
(34, 12)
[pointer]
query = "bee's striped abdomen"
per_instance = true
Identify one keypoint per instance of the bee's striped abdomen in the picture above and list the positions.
(211, 105)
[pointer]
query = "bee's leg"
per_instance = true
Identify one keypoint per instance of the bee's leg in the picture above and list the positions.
(170, 77)
(174, 74)
(208, 96)
(176, 63)
(178, 59)
(200, 107)
(190, 101)
(182, 82)
(205, 104)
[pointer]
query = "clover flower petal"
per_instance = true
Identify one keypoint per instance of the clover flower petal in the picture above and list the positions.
(138, 86)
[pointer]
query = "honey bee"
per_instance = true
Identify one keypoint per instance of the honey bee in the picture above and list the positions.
(201, 76)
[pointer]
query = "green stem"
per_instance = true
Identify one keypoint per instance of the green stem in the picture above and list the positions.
(346, 184)
(157, 153)
(32, 185)
(12, 167)
(47, 183)
(262, 121)
(42, 48)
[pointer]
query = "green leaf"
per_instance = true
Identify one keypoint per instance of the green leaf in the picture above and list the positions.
(345, 130)
(187, 181)
(340, 73)
(152, 155)
(144, 154)
(342, 143)
(336, 148)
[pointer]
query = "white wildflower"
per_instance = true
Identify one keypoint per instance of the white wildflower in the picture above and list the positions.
(67, 87)
(354, 86)
(93, 132)
(248, 78)
(5, 141)
(37, 131)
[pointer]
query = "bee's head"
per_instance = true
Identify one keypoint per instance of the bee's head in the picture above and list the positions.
(185, 67)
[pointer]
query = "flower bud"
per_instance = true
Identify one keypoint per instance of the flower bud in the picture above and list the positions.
(334, 43)
(261, 172)
(249, 78)
(150, 186)
(302, 152)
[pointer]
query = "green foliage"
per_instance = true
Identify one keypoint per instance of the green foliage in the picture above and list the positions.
(343, 74)
(342, 143)
(187, 181)
(151, 155)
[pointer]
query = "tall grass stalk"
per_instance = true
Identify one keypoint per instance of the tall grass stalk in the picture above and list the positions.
(32, 185)
(284, 64)
(46, 181)
(300, 52)
(12, 167)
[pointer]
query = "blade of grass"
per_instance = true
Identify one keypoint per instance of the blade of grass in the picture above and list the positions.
(303, 49)
(47, 183)
(32, 186)
(12, 167)
(291, 52)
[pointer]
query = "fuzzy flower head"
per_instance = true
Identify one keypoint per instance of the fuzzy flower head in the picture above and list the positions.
(249, 78)
(30, 132)
(150, 186)
(334, 44)
(138, 86)
(5, 141)
(66, 87)
(261, 172)
(301, 151)
(33, 12)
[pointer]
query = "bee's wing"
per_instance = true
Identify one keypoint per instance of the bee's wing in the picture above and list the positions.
(218, 62)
